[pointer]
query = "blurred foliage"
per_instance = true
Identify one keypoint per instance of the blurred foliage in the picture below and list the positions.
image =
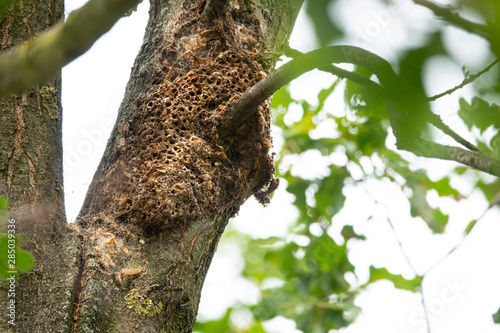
(325, 28)
(4, 4)
(488, 9)
(318, 283)
(496, 317)
(399, 281)
(12, 258)
(482, 115)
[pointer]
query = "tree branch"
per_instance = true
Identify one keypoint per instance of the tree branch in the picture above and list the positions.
(38, 59)
(438, 123)
(455, 19)
(342, 73)
(466, 81)
(320, 58)
(324, 57)
(475, 159)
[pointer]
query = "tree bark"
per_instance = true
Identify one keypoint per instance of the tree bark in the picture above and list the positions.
(136, 259)
(31, 178)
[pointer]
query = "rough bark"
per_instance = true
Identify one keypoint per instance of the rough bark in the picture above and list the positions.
(31, 178)
(166, 187)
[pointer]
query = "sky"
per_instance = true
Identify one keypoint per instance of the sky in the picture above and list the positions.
(461, 293)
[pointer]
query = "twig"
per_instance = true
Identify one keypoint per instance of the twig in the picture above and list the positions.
(495, 202)
(38, 59)
(462, 239)
(401, 244)
(403, 251)
(438, 123)
(407, 258)
(394, 233)
(455, 19)
(426, 315)
(466, 81)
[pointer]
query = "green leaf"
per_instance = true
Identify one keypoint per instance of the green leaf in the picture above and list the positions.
(399, 281)
(496, 317)
(495, 144)
(479, 113)
(274, 302)
(12, 258)
(486, 9)
(282, 98)
(215, 326)
(226, 325)
(297, 186)
(490, 190)
(460, 170)
(470, 226)
(329, 261)
(3, 203)
(4, 214)
(270, 257)
(434, 218)
(329, 197)
(270, 241)
(371, 136)
(349, 233)
(420, 184)
(444, 189)
(315, 292)
(4, 4)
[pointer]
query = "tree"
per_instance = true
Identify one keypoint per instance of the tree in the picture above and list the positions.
(190, 145)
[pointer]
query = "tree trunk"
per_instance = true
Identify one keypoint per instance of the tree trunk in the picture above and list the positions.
(136, 259)
(31, 177)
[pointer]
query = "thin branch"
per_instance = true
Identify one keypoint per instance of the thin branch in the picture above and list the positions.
(438, 123)
(403, 251)
(462, 239)
(394, 233)
(248, 103)
(38, 59)
(466, 81)
(426, 315)
(474, 159)
(407, 258)
(455, 19)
